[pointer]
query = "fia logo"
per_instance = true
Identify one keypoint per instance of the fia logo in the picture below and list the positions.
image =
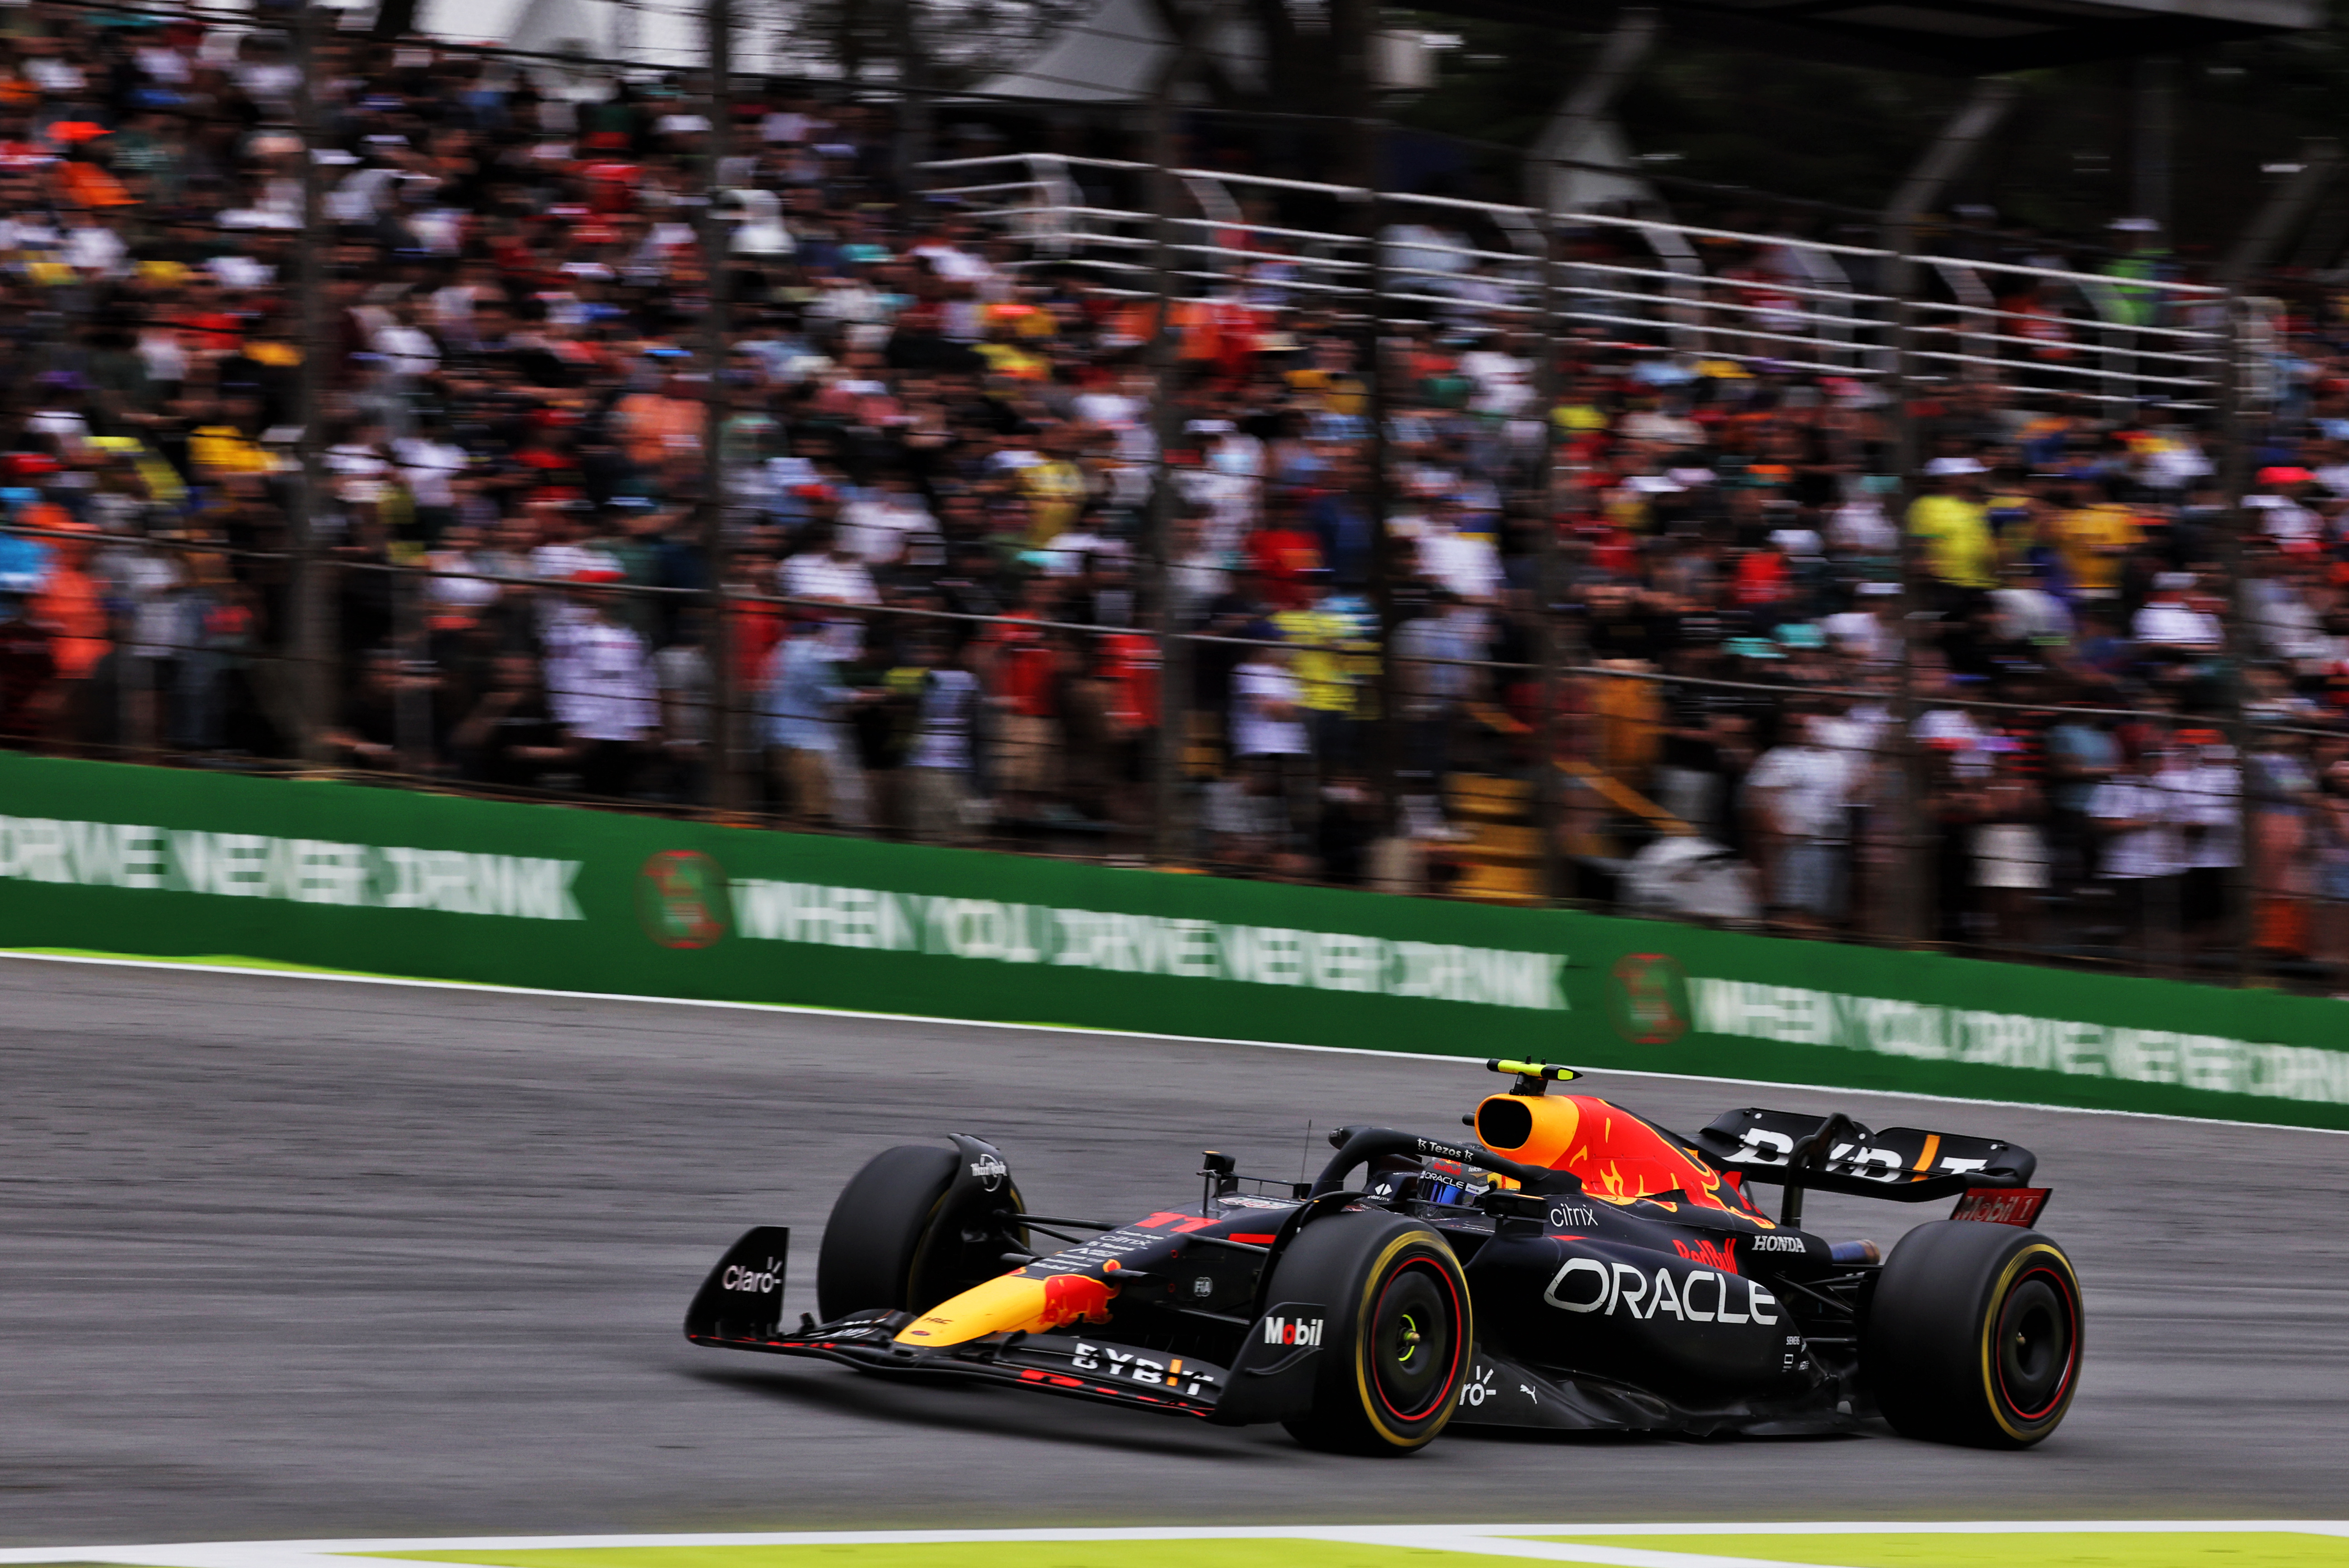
(990, 1171)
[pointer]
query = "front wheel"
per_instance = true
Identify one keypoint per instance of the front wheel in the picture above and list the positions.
(901, 1239)
(1975, 1336)
(1398, 1337)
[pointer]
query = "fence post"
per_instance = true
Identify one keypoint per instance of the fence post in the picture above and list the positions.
(721, 724)
(2242, 914)
(1173, 667)
(1388, 740)
(1546, 384)
(1917, 879)
(305, 638)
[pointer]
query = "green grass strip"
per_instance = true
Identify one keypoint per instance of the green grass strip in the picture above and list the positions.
(209, 961)
(1257, 1553)
(2069, 1549)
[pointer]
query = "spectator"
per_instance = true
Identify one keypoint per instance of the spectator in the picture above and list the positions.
(601, 681)
(366, 733)
(802, 698)
(2010, 847)
(825, 568)
(2142, 857)
(511, 739)
(1953, 528)
(1798, 794)
(939, 763)
(1270, 742)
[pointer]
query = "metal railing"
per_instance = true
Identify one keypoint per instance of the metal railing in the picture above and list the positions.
(1778, 302)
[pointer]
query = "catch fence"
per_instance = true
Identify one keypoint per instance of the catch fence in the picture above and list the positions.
(1760, 795)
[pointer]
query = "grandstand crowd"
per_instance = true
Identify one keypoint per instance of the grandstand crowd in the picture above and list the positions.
(942, 454)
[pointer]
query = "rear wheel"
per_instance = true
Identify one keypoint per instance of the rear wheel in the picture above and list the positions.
(1974, 1335)
(1397, 1335)
(900, 1240)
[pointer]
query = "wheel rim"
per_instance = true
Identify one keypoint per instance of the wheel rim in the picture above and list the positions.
(1414, 1341)
(2038, 1344)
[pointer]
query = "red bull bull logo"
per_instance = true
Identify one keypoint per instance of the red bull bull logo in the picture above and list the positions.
(1723, 1257)
(1068, 1298)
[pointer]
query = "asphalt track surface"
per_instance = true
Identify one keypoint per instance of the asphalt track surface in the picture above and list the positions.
(293, 1258)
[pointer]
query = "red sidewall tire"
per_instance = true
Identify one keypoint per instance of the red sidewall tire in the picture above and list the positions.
(1975, 1334)
(1401, 1331)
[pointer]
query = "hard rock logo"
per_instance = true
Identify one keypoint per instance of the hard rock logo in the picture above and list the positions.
(1649, 999)
(681, 898)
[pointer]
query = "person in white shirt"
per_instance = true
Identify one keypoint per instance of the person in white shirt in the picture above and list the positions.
(407, 349)
(93, 246)
(2284, 519)
(560, 557)
(430, 465)
(1269, 738)
(1957, 732)
(2027, 612)
(1799, 793)
(828, 569)
(1858, 527)
(2144, 854)
(881, 528)
(1504, 381)
(1457, 553)
(937, 765)
(2208, 785)
(2167, 623)
(600, 683)
(1869, 632)
(1126, 414)
(949, 260)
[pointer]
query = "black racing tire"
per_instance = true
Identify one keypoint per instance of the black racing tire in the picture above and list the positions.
(1400, 1333)
(891, 1244)
(1975, 1336)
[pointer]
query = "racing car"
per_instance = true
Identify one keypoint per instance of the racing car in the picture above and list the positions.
(1576, 1267)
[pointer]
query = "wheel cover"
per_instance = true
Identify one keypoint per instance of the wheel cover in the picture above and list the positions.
(1414, 1347)
(2036, 1344)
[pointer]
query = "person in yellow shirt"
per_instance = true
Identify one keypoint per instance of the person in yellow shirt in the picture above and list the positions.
(1055, 487)
(1331, 380)
(1326, 685)
(1953, 526)
(218, 449)
(2095, 535)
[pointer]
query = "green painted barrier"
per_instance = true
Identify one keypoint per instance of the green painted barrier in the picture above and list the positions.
(125, 859)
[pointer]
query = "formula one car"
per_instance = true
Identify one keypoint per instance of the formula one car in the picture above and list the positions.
(1579, 1267)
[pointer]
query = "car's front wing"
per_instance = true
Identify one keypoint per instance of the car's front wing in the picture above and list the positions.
(1070, 1364)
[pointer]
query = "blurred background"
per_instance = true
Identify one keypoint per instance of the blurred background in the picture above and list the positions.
(1872, 472)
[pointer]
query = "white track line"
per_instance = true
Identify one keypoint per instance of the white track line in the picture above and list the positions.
(1505, 1540)
(460, 985)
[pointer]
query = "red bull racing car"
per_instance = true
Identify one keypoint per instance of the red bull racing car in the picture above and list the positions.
(1576, 1267)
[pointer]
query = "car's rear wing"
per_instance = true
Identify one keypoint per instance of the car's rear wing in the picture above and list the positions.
(1837, 1154)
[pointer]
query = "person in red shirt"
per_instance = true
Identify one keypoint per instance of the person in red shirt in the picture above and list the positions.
(1763, 584)
(1020, 664)
(71, 606)
(1126, 665)
(1285, 552)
